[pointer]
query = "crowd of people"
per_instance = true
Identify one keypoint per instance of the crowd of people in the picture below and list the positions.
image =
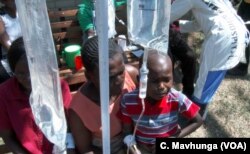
(225, 48)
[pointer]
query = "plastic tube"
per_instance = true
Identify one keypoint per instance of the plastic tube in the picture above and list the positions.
(144, 76)
(130, 140)
(149, 32)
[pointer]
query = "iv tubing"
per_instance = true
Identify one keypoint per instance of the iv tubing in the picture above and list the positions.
(142, 93)
(141, 114)
(136, 125)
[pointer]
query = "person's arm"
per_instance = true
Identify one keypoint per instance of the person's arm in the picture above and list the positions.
(81, 135)
(66, 95)
(85, 18)
(133, 73)
(190, 111)
(4, 37)
(127, 130)
(195, 123)
(180, 8)
(11, 142)
(120, 3)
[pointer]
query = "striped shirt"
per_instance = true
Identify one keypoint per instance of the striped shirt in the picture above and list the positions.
(159, 120)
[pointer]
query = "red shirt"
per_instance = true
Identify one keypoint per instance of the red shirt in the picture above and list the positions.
(16, 115)
(159, 120)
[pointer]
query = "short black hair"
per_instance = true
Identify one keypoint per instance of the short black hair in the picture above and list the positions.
(152, 51)
(90, 52)
(16, 51)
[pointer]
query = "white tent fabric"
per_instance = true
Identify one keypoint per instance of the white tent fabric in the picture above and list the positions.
(46, 99)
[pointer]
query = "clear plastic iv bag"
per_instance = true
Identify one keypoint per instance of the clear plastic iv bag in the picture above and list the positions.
(46, 98)
(148, 23)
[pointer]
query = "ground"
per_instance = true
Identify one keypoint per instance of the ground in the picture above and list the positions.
(229, 112)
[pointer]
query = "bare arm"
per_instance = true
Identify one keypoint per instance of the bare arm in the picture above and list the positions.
(128, 130)
(133, 72)
(12, 143)
(81, 135)
(195, 123)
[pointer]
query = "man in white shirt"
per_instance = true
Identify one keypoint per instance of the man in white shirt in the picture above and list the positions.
(225, 40)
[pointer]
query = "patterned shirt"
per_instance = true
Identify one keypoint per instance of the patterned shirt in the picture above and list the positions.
(159, 120)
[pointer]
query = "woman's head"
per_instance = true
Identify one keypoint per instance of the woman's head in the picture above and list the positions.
(160, 76)
(90, 59)
(19, 64)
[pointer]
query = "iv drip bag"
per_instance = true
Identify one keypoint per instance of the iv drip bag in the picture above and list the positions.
(46, 98)
(148, 23)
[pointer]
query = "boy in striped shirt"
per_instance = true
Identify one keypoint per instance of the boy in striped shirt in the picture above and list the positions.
(162, 107)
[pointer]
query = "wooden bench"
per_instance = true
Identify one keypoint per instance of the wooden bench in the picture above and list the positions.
(65, 27)
(66, 30)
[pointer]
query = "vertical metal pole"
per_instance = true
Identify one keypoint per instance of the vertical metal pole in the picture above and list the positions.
(102, 32)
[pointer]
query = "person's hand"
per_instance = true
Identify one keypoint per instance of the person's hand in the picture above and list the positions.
(177, 133)
(91, 33)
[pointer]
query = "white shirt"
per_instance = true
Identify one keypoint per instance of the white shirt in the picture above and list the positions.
(12, 27)
(225, 32)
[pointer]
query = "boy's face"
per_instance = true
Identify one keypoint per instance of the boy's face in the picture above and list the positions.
(160, 77)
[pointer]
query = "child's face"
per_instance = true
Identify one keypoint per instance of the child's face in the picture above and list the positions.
(160, 77)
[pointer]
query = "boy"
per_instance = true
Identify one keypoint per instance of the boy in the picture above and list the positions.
(162, 106)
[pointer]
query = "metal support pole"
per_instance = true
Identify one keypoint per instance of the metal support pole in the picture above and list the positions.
(102, 32)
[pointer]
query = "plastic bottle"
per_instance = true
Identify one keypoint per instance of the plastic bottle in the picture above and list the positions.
(143, 81)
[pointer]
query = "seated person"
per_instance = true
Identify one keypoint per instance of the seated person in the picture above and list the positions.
(85, 16)
(85, 112)
(17, 126)
(162, 105)
(9, 31)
